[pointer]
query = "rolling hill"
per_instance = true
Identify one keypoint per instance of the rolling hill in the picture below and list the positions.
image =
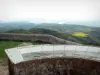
(64, 31)
(64, 28)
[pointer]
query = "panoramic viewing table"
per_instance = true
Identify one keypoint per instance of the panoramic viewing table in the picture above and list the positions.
(25, 53)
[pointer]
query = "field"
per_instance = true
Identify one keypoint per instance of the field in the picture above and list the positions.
(80, 34)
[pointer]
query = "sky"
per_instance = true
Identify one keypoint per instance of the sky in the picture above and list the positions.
(85, 12)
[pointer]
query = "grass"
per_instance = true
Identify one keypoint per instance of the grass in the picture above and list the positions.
(10, 44)
(7, 44)
(80, 34)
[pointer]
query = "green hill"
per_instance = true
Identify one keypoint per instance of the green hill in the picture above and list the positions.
(64, 31)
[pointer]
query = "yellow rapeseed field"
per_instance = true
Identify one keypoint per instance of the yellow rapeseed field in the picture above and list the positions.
(80, 34)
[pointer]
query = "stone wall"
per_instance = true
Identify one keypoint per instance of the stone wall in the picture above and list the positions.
(58, 66)
(34, 37)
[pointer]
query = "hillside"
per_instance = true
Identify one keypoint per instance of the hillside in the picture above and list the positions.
(40, 31)
(66, 36)
(93, 37)
(64, 31)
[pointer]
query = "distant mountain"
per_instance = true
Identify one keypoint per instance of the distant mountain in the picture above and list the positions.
(64, 27)
(15, 25)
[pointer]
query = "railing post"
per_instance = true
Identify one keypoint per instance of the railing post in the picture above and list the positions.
(53, 50)
(75, 50)
(64, 51)
(42, 48)
(98, 55)
(86, 52)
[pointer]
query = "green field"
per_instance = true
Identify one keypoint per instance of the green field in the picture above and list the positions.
(7, 44)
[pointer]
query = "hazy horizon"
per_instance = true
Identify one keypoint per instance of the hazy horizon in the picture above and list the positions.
(81, 12)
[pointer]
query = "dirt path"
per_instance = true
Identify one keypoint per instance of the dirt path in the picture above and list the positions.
(3, 67)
